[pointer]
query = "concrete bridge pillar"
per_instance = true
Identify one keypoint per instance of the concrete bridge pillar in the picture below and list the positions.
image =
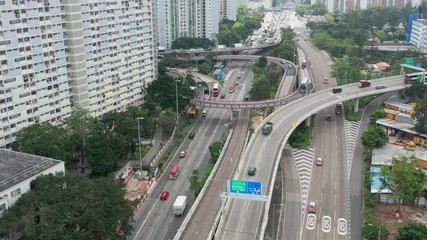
(308, 121)
(356, 105)
(400, 94)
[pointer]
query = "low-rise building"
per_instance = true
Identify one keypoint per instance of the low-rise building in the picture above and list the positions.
(18, 170)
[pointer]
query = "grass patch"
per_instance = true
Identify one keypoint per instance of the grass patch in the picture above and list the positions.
(354, 116)
(207, 172)
(301, 137)
(145, 149)
(365, 101)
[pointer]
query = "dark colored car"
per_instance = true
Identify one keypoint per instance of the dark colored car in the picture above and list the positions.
(191, 135)
(336, 90)
(247, 97)
(380, 87)
(328, 117)
(251, 171)
(222, 95)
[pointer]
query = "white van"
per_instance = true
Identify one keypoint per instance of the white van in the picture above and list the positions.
(204, 113)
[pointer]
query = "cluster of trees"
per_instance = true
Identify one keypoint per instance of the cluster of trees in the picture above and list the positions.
(236, 31)
(106, 141)
(286, 49)
(266, 80)
(69, 207)
(406, 182)
(196, 184)
(374, 137)
(207, 66)
(188, 43)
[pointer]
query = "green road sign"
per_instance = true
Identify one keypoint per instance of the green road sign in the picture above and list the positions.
(420, 79)
(409, 61)
(238, 186)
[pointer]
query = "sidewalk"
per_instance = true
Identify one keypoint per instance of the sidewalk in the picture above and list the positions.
(157, 145)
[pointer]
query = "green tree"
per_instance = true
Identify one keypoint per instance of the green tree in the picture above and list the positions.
(381, 35)
(377, 114)
(70, 207)
(374, 137)
(262, 62)
(215, 150)
(104, 151)
(167, 121)
(44, 140)
(372, 230)
(195, 184)
(79, 127)
(162, 91)
(261, 88)
(187, 43)
(412, 231)
(404, 179)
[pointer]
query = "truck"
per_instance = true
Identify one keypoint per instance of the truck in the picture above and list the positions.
(267, 128)
(338, 108)
(179, 205)
(303, 64)
(221, 46)
(237, 45)
(364, 83)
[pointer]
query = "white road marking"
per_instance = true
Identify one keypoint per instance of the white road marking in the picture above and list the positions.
(342, 226)
(326, 224)
(311, 221)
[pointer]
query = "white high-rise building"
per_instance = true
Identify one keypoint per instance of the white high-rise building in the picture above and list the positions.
(60, 54)
(228, 9)
(255, 4)
(187, 18)
(419, 34)
(34, 86)
(112, 52)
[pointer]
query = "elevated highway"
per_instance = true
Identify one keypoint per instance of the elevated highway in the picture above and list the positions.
(290, 69)
(244, 219)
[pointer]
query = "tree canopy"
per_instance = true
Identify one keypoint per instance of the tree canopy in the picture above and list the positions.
(236, 31)
(374, 137)
(187, 43)
(44, 140)
(412, 231)
(163, 92)
(69, 207)
(404, 179)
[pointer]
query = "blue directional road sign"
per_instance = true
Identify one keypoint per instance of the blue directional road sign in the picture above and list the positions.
(245, 187)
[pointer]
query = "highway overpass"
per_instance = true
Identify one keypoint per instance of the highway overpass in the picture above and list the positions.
(247, 220)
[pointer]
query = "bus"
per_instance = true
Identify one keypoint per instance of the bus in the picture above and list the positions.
(412, 77)
(215, 90)
(174, 172)
(305, 85)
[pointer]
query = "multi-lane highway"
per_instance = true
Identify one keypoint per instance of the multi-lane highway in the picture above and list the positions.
(156, 219)
(245, 220)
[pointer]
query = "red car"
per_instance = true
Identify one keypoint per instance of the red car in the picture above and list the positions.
(182, 154)
(164, 196)
(312, 207)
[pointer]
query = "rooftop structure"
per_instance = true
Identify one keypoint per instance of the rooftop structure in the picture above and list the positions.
(17, 170)
(384, 154)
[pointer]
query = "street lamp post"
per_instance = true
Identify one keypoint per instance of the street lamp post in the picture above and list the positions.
(139, 143)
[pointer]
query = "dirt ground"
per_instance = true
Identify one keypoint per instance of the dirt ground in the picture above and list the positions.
(385, 214)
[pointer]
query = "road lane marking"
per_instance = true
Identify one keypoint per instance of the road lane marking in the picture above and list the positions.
(326, 224)
(342, 226)
(311, 221)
